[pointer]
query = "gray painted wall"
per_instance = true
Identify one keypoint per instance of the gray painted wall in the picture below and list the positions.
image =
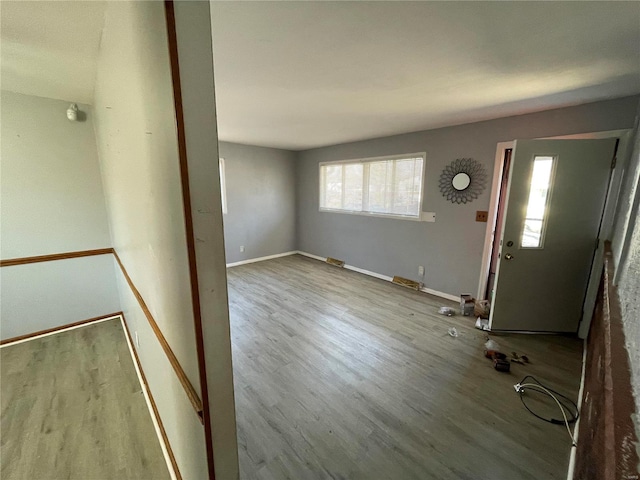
(51, 201)
(261, 201)
(451, 248)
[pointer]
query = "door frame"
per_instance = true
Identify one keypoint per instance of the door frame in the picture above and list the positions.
(496, 184)
(608, 217)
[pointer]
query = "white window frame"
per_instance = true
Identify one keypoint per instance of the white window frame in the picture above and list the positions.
(416, 218)
(223, 186)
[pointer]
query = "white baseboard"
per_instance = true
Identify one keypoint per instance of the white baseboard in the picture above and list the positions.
(261, 259)
(437, 293)
(576, 427)
(311, 255)
(368, 272)
(58, 330)
(147, 399)
(430, 291)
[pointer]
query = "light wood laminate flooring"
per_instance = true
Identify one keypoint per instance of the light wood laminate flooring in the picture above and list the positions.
(342, 376)
(73, 408)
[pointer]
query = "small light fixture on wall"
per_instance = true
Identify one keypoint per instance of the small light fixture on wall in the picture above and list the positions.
(72, 112)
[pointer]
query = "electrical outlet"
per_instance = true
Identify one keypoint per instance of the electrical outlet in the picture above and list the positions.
(137, 340)
(241, 248)
(421, 270)
(482, 216)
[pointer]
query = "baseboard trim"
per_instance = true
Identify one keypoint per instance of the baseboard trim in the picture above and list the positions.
(368, 272)
(59, 329)
(167, 451)
(576, 426)
(311, 255)
(430, 291)
(261, 259)
(448, 296)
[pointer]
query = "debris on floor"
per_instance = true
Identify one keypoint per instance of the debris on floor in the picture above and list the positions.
(467, 304)
(501, 365)
(521, 359)
(453, 332)
(491, 344)
(492, 352)
(501, 361)
(482, 309)
(449, 312)
(482, 324)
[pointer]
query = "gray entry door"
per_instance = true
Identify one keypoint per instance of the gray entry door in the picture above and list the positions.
(557, 192)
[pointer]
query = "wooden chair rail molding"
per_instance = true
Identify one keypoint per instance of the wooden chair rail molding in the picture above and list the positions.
(55, 256)
(184, 380)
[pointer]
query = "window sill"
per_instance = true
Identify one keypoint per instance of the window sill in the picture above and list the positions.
(375, 215)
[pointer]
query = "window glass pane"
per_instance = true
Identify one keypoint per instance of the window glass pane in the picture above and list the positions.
(537, 204)
(390, 187)
(333, 186)
(353, 182)
(408, 174)
(223, 186)
(532, 233)
(380, 186)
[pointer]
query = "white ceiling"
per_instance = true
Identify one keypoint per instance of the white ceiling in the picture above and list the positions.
(50, 48)
(306, 74)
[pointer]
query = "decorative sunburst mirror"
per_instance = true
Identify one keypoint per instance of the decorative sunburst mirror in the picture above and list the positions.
(463, 180)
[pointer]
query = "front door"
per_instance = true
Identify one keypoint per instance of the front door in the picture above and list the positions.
(557, 192)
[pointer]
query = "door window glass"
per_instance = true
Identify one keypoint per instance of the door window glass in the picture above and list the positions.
(535, 219)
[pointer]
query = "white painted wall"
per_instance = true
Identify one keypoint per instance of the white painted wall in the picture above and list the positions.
(137, 144)
(39, 296)
(195, 54)
(52, 198)
(51, 202)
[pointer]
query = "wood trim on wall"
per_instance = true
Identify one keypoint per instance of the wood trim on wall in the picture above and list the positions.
(156, 413)
(182, 376)
(59, 328)
(184, 380)
(190, 238)
(55, 256)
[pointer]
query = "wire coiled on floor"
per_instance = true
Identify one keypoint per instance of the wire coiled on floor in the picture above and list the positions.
(568, 408)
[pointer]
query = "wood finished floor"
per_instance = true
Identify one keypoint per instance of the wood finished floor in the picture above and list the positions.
(73, 408)
(343, 376)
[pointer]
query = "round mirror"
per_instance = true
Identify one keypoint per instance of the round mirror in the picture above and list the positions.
(461, 181)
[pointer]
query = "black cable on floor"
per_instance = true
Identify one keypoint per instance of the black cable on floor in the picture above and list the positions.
(569, 404)
(566, 405)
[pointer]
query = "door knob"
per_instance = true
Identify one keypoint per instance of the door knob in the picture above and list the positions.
(508, 256)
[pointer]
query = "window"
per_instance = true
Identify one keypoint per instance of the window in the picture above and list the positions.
(223, 187)
(389, 186)
(535, 219)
